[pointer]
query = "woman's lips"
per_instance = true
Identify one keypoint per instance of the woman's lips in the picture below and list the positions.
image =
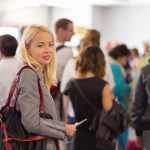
(46, 57)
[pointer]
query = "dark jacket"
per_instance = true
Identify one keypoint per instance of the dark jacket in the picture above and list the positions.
(141, 107)
(108, 125)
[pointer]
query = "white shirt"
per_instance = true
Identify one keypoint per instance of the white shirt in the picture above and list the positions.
(69, 72)
(8, 69)
(63, 55)
(108, 75)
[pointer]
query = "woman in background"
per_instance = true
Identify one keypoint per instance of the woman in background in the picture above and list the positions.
(91, 38)
(90, 70)
(119, 56)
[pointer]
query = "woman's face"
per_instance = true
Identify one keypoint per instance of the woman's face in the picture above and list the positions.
(42, 47)
(123, 60)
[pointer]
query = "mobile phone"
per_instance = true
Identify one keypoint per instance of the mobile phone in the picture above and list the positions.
(79, 123)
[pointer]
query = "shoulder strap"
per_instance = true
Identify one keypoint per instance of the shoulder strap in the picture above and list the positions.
(12, 89)
(59, 47)
(84, 96)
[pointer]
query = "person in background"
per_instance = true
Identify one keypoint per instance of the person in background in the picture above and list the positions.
(135, 67)
(37, 50)
(141, 109)
(92, 37)
(90, 70)
(127, 69)
(109, 46)
(64, 31)
(118, 58)
(21, 30)
(146, 47)
(9, 66)
(134, 62)
(146, 56)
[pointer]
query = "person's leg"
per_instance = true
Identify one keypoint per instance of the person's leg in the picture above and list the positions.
(123, 140)
(146, 140)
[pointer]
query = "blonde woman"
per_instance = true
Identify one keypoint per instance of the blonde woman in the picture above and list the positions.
(37, 50)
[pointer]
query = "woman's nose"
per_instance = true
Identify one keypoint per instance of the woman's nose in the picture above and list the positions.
(48, 48)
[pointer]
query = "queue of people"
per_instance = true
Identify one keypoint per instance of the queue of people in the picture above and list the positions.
(101, 78)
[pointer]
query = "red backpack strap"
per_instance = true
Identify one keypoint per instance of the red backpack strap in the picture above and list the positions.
(41, 110)
(56, 143)
(12, 89)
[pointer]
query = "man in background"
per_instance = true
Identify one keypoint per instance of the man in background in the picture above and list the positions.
(64, 32)
(9, 66)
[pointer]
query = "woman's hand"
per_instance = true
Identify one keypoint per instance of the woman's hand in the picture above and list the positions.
(70, 130)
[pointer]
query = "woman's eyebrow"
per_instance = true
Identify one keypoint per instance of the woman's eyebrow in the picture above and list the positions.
(51, 42)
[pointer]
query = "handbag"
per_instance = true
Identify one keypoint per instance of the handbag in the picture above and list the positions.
(13, 135)
(108, 125)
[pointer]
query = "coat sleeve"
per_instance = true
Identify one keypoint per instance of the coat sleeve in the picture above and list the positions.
(28, 105)
(139, 105)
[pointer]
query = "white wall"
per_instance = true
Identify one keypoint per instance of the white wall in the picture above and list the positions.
(98, 18)
(81, 16)
(129, 24)
(22, 15)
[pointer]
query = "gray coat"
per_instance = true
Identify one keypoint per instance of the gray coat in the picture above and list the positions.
(28, 104)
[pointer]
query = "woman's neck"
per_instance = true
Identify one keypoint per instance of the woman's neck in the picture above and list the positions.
(85, 75)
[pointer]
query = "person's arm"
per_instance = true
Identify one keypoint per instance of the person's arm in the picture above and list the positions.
(68, 73)
(139, 142)
(139, 106)
(28, 102)
(107, 97)
(66, 100)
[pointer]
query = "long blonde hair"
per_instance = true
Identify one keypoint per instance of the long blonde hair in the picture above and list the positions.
(25, 58)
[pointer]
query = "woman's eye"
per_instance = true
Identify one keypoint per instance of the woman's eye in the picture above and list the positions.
(39, 46)
(51, 45)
